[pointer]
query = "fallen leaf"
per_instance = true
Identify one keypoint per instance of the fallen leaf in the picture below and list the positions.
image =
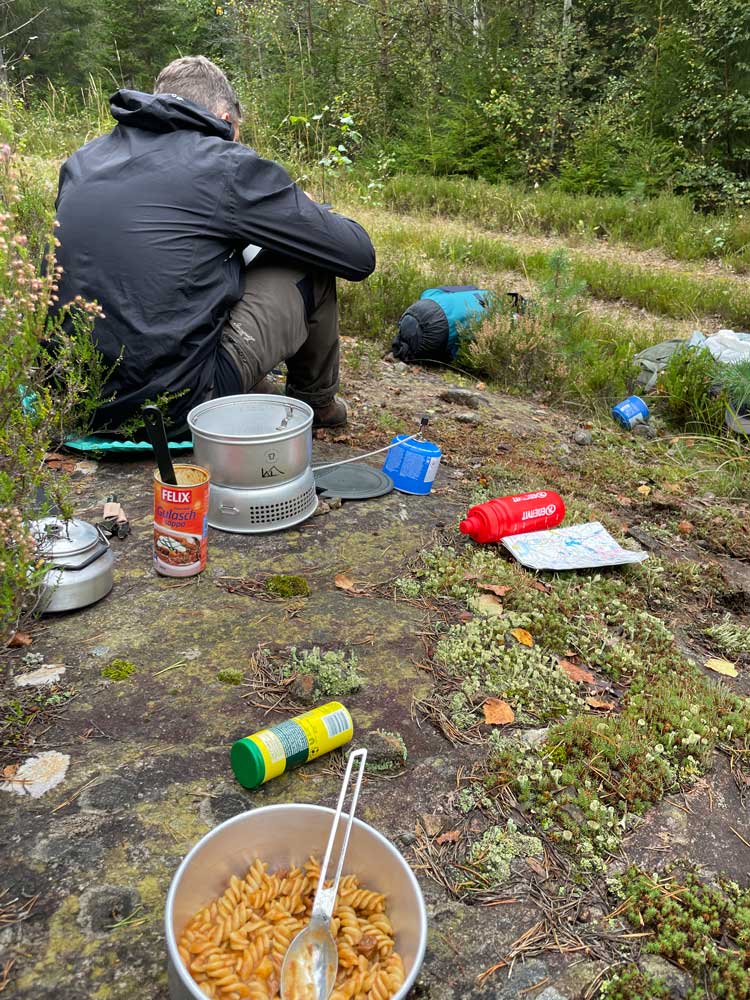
(543, 588)
(449, 837)
(9, 771)
(537, 867)
(343, 582)
(522, 636)
(495, 588)
(488, 604)
(576, 673)
(481, 386)
(625, 501)
(497, 712)
(19, 639)
(606, 706)
(644, 490)
(468, 577)
(685, 527)
(466, 616)
(721, 666)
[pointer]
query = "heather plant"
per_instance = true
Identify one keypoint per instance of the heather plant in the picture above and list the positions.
(50, 382)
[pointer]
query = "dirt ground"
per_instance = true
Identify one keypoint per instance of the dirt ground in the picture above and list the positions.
(149, 766)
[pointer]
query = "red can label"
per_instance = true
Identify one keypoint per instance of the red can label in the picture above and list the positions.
(181, 522)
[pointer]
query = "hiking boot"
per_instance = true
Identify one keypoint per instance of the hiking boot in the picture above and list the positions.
(331, 414)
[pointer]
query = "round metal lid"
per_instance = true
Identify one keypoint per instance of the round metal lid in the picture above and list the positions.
(352, 482)
(60, 539)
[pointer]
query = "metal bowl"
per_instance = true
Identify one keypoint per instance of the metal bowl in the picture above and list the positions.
(286, 835)
(253, 440)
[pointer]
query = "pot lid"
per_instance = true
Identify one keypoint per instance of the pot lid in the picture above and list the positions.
(60, 539)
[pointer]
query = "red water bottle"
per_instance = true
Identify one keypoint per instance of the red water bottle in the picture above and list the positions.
(515, 515)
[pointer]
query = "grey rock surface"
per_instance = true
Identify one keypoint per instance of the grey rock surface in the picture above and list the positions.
(463, 397)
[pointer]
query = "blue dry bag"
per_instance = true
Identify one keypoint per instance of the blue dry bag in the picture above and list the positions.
(430, 328)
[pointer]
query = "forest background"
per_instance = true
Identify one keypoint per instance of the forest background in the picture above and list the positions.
(633, 98)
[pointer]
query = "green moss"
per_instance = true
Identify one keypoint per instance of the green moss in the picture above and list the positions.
(287, 585)
(631, 982)
(230, 675)
(692, 922)
(492, 855)
(334, 672)
(119, 670)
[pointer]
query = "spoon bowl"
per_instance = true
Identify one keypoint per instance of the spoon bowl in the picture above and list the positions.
(310, 965)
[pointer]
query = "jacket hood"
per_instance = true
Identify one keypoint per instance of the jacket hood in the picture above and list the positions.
(165, 113)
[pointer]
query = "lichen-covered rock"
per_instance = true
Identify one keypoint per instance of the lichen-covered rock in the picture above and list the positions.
(108, 794)
(386, 751)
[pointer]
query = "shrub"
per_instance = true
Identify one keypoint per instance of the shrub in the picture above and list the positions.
(688, 388)
(50, 381)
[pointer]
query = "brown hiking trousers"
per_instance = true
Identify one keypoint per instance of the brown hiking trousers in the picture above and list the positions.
(286, 314)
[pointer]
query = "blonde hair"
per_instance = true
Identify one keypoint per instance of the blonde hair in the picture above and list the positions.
(199, 80)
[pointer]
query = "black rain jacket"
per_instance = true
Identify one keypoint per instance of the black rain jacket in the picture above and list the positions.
(152, 222)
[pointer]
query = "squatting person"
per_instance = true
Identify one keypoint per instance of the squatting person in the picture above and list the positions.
(153, 222)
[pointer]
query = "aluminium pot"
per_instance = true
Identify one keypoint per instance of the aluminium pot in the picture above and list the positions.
(252, 441)
(284, 835)
(79, 562)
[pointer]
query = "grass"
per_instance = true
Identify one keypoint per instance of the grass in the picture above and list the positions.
(660, 291)
(667, 222)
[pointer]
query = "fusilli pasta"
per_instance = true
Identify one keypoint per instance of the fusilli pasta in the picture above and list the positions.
(235, 946)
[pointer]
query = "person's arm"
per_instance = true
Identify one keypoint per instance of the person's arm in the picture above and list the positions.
(264, 206)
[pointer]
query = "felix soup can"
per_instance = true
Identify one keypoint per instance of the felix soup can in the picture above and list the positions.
(181, 522)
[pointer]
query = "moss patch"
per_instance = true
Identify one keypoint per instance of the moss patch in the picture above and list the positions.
(287, 585)
(703, 928)
(230, 675)
(118, 670)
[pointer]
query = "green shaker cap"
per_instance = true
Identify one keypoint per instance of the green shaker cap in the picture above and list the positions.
(247, 763)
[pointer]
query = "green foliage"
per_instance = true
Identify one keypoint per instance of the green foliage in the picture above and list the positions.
(50, 383)
(334, 672)
(593, 773)
(688, 388)
(477, 656)
(735, 382)
(702, 927)
(629, 983)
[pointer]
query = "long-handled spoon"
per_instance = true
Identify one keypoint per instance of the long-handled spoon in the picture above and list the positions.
(312, 961)
(154, 422)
